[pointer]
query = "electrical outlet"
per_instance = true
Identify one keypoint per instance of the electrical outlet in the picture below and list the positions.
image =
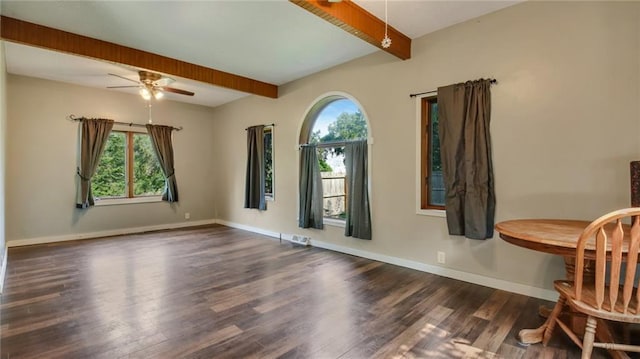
(187, 215)
(441, 257)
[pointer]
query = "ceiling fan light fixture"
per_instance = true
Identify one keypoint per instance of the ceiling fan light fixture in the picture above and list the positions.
(157, 94)
(145, 93)
(152, 85)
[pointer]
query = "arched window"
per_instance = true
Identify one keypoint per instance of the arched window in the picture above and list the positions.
(331, 123)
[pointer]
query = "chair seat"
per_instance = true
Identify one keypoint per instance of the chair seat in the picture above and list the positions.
(588, 305)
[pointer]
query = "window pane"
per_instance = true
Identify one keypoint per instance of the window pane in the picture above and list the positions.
(339, 120)
(148, 178)
(268, 162)
(436, 184)
(334, 193)
(110, 177)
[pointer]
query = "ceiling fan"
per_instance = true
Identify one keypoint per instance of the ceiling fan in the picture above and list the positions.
(152, 84)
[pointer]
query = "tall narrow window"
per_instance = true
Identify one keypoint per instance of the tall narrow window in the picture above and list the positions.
(330, 124)
(259, 171)
(432, 184)
(128, 168)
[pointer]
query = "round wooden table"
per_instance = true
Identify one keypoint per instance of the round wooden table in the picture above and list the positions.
(554, 236)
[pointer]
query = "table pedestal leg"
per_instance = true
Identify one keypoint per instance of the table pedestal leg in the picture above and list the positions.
(533, 336)
(588, 272)
(542, 333)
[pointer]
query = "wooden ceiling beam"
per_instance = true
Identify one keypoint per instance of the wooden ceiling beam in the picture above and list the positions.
(23, 32)
(359, 22)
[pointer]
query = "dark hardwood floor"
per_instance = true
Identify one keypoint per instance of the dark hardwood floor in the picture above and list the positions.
(218, 292)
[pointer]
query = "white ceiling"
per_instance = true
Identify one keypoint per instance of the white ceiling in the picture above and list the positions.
(270, 40)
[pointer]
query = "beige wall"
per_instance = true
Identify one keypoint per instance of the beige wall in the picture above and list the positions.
(3, 148)
(565, 124)
(41, 163)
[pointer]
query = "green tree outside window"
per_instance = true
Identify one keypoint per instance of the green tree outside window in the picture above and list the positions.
(112, 174)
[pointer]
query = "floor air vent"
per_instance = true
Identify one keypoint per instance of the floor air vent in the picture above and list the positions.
(297, 239)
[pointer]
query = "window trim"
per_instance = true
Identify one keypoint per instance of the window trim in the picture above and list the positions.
(123, 200)
(426, 117)
(334, 222)
(304, 130)
(129, 154)
(422, 123)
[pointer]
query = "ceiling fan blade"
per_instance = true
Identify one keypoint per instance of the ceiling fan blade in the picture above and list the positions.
(178, 91)
(120, 87)
(124, 78)
(164, 81)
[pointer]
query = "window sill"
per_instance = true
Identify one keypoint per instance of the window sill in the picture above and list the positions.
(432, 212)
(118, 201)
(334, 222)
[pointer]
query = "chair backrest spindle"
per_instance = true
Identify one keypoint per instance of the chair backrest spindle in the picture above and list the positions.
(616, 261)
(610, 238)
(601, 265)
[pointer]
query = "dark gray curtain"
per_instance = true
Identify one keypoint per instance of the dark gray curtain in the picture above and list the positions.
(358, 224)
(464, 112)
(93, 138)
(255, 179)
(161, 140)
(311, 214)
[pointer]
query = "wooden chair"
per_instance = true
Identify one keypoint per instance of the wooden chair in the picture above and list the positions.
(616, 299)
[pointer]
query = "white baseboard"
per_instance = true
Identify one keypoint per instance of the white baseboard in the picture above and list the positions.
(276, 235)
(251, 229)
(3, 269)
(445, 272)
(114, 232)
(512, 287)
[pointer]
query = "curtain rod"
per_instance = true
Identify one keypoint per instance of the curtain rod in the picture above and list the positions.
(265, 125)
(130, 124)
(330, 144)
(492, 81)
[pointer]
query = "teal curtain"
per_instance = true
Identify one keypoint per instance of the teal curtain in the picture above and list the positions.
(254, 196)
(163, 147)
(464, 112)
(358, 222)
(310, 189)
(93, 139)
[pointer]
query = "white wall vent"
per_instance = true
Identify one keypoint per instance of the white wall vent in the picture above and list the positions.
(298, 239)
